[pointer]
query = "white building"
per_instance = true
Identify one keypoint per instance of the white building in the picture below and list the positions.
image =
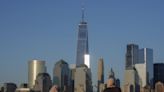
(146, 58)
(83, 81)
(141, 69)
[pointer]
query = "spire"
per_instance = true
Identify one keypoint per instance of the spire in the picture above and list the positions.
(82, 11)
(111, 73)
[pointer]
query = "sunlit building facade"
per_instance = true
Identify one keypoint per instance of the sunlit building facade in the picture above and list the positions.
(34, 68)
(82, 56)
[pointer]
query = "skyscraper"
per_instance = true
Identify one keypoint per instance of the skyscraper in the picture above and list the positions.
(61, 75)
(131, 78)
(34, 68)
(83, 79)
(82, 56)
(146, 58)
(100, 73)
(131, 56)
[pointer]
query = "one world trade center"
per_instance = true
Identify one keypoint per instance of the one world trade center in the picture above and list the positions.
(82, 56)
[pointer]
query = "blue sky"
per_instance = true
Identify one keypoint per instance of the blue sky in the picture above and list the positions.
(47, 30)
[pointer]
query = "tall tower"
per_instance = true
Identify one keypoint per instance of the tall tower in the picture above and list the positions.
(100, 73)
(82, 56)
(34, 68)
(146, 57)
(132, 56)
(131, 78)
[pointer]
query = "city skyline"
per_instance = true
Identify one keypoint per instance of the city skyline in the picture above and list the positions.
(45, 30)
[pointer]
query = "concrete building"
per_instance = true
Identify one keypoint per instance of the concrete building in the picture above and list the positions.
(72, 71)
(34, 68)
(62, 76)
(43, 82)
(83, 81)
(141, 69)
(100, 74)
(131, 81)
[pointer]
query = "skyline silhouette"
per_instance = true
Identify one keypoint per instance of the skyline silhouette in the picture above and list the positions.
(47, 30)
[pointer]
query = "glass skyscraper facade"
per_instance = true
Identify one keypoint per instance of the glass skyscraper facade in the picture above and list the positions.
(131, 56)
(82, 43)
(146, 57)
(34, 68)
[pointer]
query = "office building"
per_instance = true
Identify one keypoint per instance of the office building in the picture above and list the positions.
(72, 71)
(142, 73)
(43, 82)
(82, 56)
(146, 58)
(34, 68)
(83, 79)
(62, 75)
(145, 67)
(131, 81)
(131, 56)
(100, 74)
(158, 72)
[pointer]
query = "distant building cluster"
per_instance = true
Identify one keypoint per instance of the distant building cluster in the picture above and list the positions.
(140, 72)
(140, 75)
